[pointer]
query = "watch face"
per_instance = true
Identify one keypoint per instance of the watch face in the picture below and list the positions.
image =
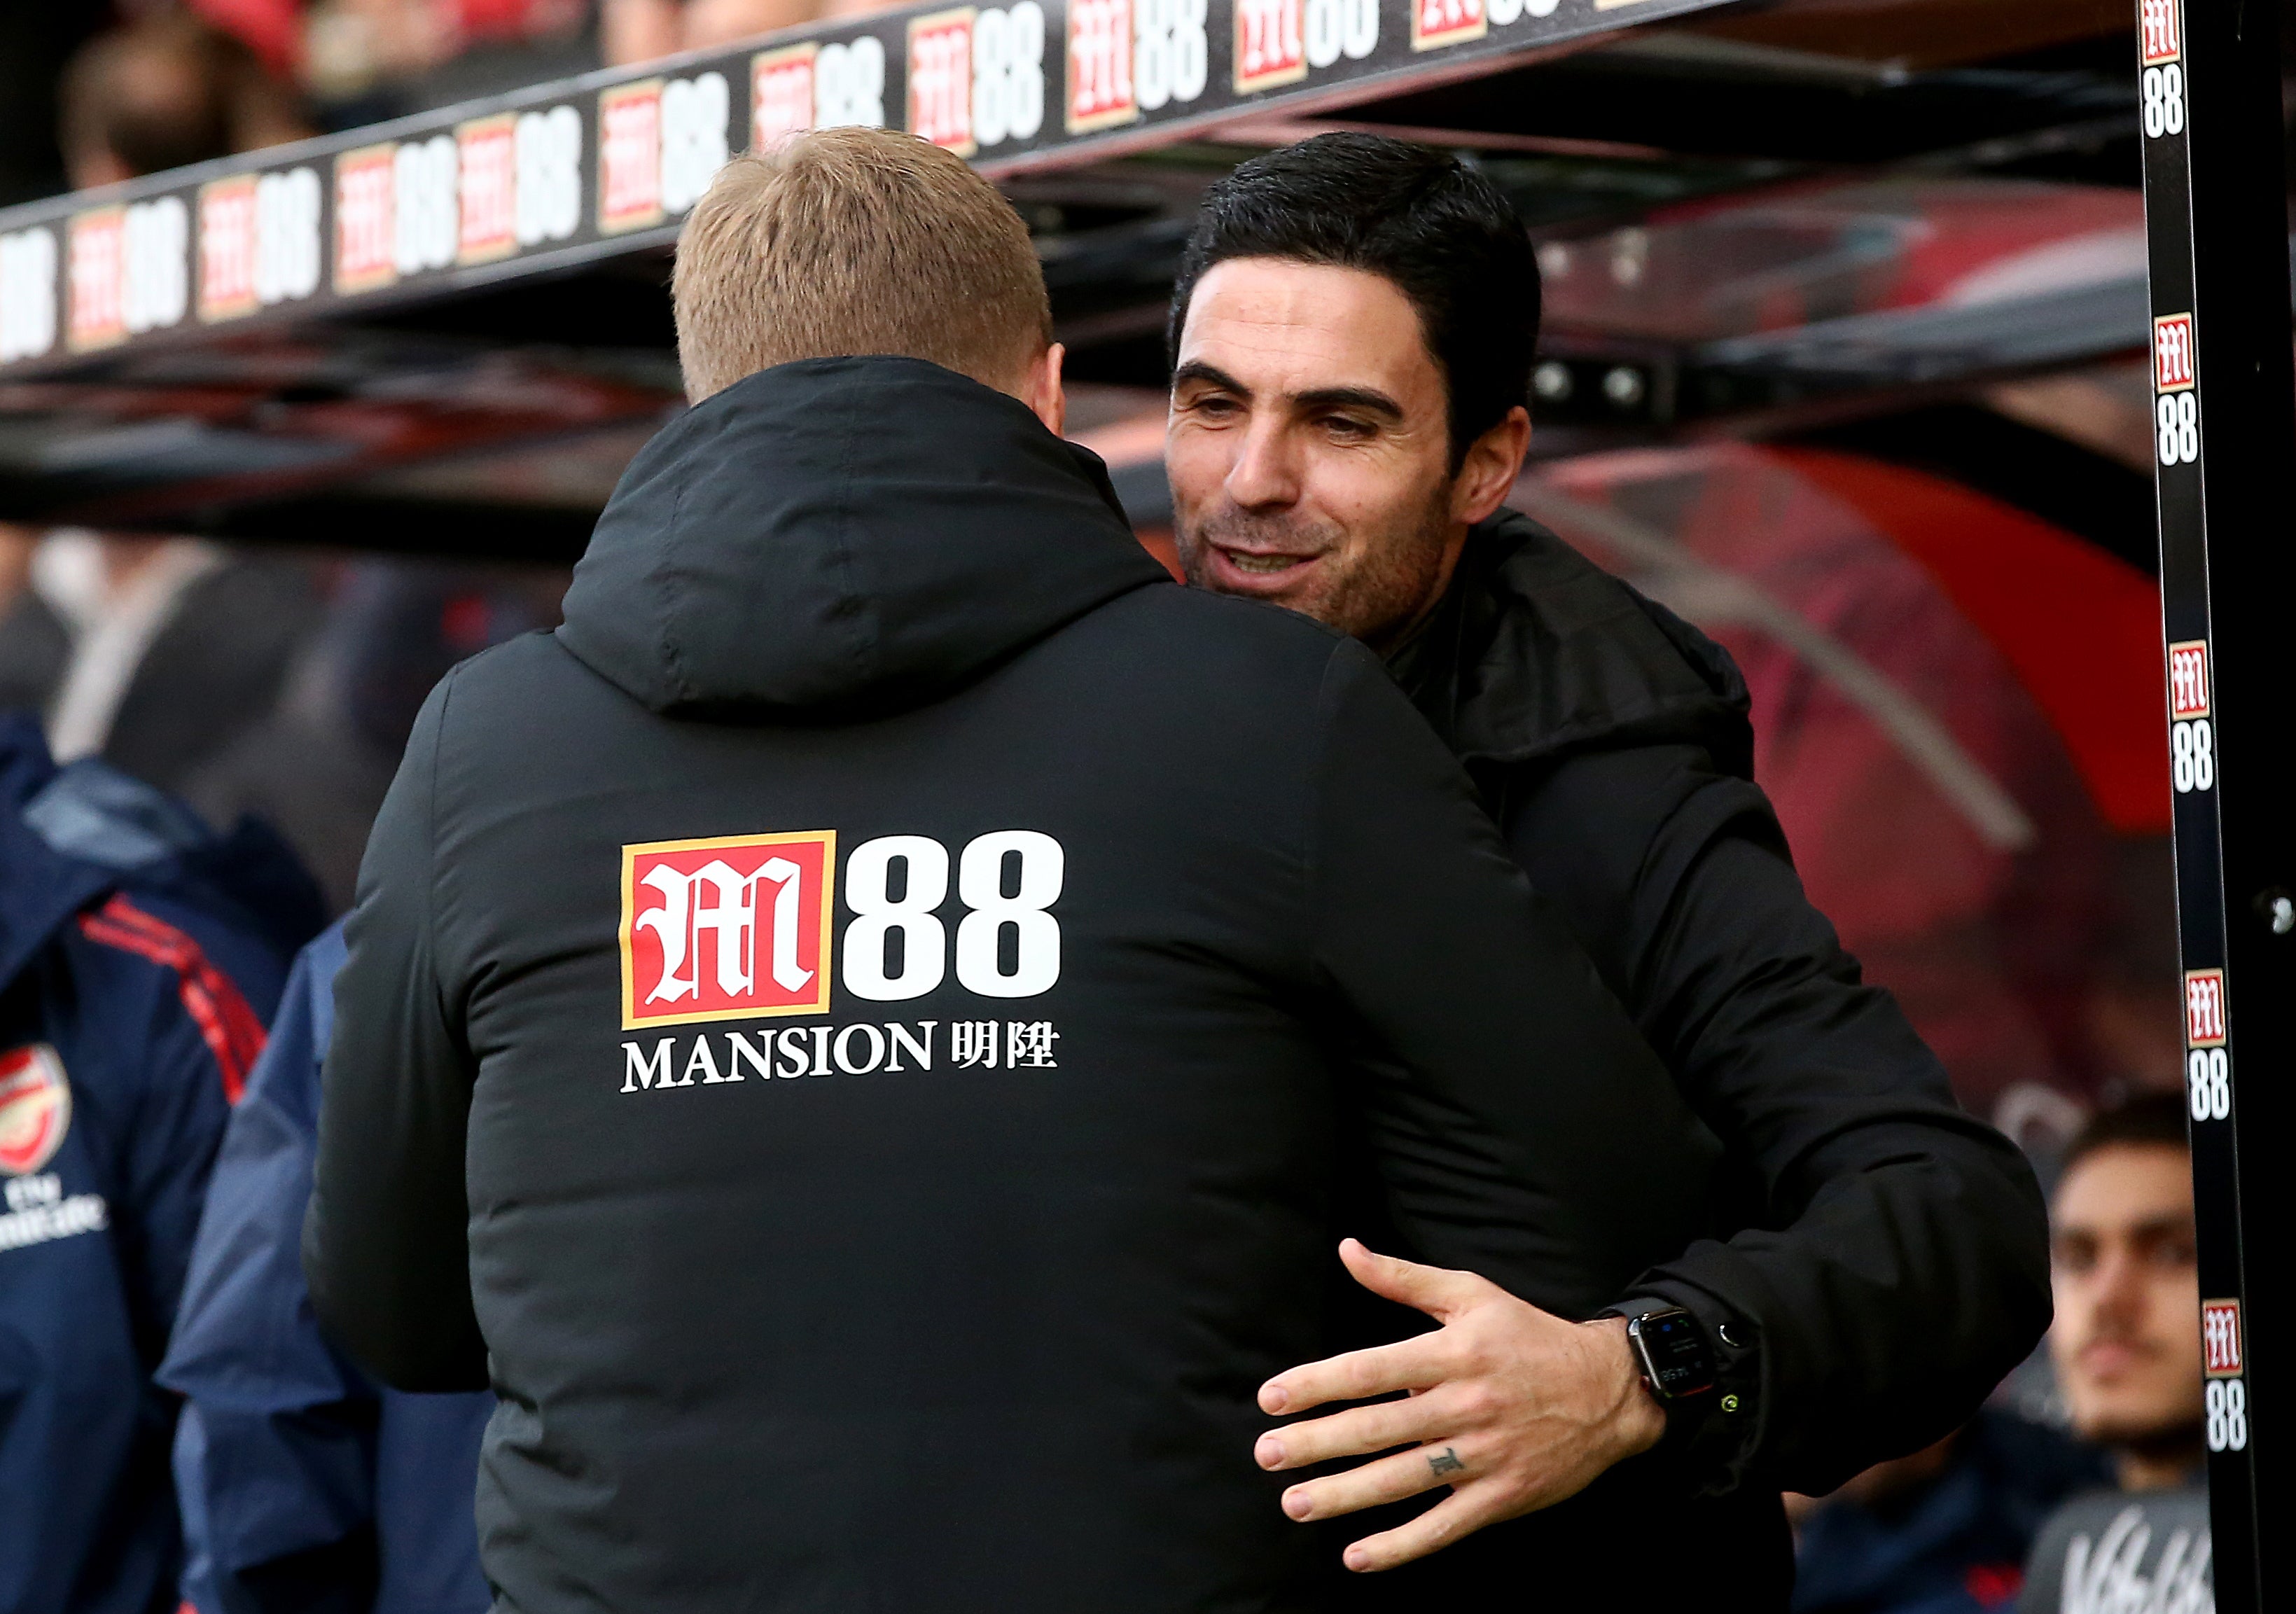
(1674, 1351)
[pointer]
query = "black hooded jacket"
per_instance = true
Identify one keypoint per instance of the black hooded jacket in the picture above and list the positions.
(1881, 1258)
(921, 1244)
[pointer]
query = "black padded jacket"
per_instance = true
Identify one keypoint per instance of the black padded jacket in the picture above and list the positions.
(867, 1036)
(1875, 1260)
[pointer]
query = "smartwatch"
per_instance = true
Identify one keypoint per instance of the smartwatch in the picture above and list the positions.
(1670, 1347)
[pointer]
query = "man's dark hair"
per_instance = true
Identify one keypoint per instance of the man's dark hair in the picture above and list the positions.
(1422, 220)
(2149, 1120)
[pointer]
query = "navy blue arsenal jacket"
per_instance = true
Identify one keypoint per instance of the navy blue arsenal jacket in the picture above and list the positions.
(871, 1032)
(306, 1489)
(139, 959)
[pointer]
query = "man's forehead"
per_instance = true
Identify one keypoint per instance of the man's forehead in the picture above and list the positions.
(1294, 327)
(2121, 1188)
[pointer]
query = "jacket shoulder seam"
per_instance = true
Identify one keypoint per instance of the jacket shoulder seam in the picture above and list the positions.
(227, 1023)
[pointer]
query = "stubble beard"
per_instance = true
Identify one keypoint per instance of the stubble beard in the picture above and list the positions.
(2170, 1423)
(1375, 594)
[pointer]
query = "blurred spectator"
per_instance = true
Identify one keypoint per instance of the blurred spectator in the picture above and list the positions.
(139, 956)
(154, 654)
(33, 648)
(272, 29)
(170, 647)
(305, 1487)
(1944, 1531)
(165, 90)
(2126, 1345)
(349, 44)
(365, 58)
(316, 765)
(639, 30)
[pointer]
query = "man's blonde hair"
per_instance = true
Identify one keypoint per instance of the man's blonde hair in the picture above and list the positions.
(854, 240)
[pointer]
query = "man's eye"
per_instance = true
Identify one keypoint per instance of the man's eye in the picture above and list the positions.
(1350, 429)
(1221, 407)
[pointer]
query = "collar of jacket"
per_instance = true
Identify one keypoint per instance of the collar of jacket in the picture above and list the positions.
(838, 537)
(1536, 652)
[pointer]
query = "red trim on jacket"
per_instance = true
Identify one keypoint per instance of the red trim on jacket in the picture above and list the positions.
(233, 1032)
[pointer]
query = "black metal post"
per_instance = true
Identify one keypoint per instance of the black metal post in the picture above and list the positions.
(2225, 414)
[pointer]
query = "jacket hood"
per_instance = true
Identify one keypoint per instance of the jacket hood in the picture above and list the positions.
(70, 835)
(840, 536)
(1536, 652)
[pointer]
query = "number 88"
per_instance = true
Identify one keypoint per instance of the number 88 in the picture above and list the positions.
(2164, 101)
(2177, 418)
(2227, 1411)
(2207, 1081)
(878, 916)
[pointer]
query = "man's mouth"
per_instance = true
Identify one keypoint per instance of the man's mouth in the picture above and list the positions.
(2110, 1358)
(1263, 560)
(1262, 565)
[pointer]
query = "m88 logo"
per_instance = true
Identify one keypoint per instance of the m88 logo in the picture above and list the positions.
(739, 927)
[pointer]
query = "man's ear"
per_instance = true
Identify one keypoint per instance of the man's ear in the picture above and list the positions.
(1487, 475)
(1041, 389)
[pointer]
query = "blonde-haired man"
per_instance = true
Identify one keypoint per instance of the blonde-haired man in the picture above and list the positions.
(860, 1036)
(821, 250)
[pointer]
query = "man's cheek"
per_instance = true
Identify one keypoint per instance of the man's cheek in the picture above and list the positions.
(2176, 1317)
(1194, 468)
(1369, 496)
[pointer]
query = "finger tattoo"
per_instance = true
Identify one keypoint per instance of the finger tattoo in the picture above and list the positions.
(1446, 1461)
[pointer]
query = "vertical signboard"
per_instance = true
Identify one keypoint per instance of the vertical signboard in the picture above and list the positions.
(2224, 415)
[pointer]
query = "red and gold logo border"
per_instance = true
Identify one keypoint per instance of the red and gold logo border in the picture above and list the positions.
(639, 219)
(825, 839)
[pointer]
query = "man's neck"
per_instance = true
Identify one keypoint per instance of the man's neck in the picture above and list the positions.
(1400, 637)
(2162, 1464)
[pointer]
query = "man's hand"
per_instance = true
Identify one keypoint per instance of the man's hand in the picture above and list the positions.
(1511, 1407)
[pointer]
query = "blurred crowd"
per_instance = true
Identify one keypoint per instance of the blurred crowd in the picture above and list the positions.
(246, 682)
(278, 688)
(168, 82)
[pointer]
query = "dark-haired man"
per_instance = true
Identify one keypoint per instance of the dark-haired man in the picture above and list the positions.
(2127, 1348)
(1352, 333)
(869, 1060)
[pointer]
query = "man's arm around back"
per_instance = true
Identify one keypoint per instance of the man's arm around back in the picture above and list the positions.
(1472, 1014)
(1886, 1260)
(1890, 1259)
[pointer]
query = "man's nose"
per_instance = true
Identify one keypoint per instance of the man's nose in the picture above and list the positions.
(1265, 473)
(2120, 1290)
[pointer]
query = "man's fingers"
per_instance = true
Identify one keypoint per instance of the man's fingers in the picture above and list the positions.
(1389, 1479)
(1358, 1430)
(1438, 1291)
(1413, 1363)
(1461, 1513)
(1418, 1362)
